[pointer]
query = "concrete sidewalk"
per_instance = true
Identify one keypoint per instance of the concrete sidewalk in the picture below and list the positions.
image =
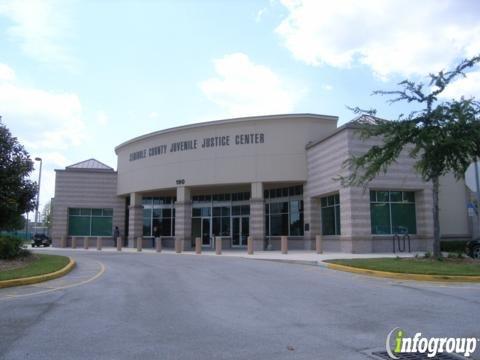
(294, 256)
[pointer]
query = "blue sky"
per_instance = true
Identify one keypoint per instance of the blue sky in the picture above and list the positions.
(78, 78)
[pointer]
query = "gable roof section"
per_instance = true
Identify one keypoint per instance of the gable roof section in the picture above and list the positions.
(90, 164)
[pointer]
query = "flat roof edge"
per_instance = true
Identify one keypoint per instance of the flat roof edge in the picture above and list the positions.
(337, 131)
(103, 171)
(225, 121)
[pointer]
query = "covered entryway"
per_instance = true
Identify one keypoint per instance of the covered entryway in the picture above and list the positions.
(240, 230)
(201, 227)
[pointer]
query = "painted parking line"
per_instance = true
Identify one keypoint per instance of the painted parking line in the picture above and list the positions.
(78, 278)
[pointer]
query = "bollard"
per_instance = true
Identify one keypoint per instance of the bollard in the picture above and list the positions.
(139, 243)
(284, 244)
(158, 244)
(74, 242)
(99, 243)
(63, 241)
(218, 245)
(85, 243)
(250, 245)
(198, 245)
(178, 245)
(119, 243)
(318, 244)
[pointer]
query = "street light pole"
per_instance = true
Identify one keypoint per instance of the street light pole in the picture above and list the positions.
(38, 193)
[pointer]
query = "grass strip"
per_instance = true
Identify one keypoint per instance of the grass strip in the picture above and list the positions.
(43, 265)
(452, 267)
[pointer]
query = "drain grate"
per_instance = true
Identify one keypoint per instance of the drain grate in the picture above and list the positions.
(416, 356)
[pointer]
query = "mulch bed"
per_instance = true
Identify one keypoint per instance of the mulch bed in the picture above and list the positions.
(17, 263)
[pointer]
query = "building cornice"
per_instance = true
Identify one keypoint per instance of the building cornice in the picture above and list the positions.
(225, 121)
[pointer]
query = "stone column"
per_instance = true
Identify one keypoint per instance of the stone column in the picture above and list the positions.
(135, 219)
(423, 205)
(257, 216)
(311, 218)
(355, 221)
(183, 217)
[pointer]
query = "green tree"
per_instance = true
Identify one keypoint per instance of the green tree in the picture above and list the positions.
(17, 192)
(442, 136)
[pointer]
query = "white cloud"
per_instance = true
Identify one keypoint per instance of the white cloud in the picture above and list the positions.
(467, 87)
(260, 14)
(243, 88)
(327, 87)
(40, 27)
(46, 120)
(153, 115)
(6, 73)
(102, 118)
(47, 123)
(392, 37)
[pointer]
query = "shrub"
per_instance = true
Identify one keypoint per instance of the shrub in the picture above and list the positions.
(454, 246)
(11, 247)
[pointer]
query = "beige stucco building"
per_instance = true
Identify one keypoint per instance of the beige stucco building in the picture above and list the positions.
(264, 177)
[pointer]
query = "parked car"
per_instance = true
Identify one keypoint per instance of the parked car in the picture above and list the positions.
(41, 240)
(473, 248)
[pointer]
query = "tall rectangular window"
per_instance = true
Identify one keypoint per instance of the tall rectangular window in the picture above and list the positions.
(393, 212)
(284, 211)
(90, 222)
(158, 216)
(221, 221)
(330, 206)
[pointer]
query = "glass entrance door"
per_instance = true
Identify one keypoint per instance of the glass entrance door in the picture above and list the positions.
(240, 230)
(201, 228)
(206, 232)
(245, 231)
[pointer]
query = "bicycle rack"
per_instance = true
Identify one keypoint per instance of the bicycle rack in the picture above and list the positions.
(401, 242)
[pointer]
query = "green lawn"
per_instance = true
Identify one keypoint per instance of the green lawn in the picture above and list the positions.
(43, 265)
(466, 267)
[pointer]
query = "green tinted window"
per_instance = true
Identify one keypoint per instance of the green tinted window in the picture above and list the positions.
(330, 214)
(380, 218)
(79, 226)
(107, 212)
(86, 212)
(101, 226)
(393, 212)
(90, 222)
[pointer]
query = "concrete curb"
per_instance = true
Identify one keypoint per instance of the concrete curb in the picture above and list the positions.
(39, 278)
(403, 276)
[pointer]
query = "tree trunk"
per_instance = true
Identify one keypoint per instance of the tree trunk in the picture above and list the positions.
(436, 219)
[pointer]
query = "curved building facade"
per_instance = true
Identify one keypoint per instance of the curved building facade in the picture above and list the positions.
(264, 177)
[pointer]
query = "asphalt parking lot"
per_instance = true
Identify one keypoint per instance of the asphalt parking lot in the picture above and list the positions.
(166, 306)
